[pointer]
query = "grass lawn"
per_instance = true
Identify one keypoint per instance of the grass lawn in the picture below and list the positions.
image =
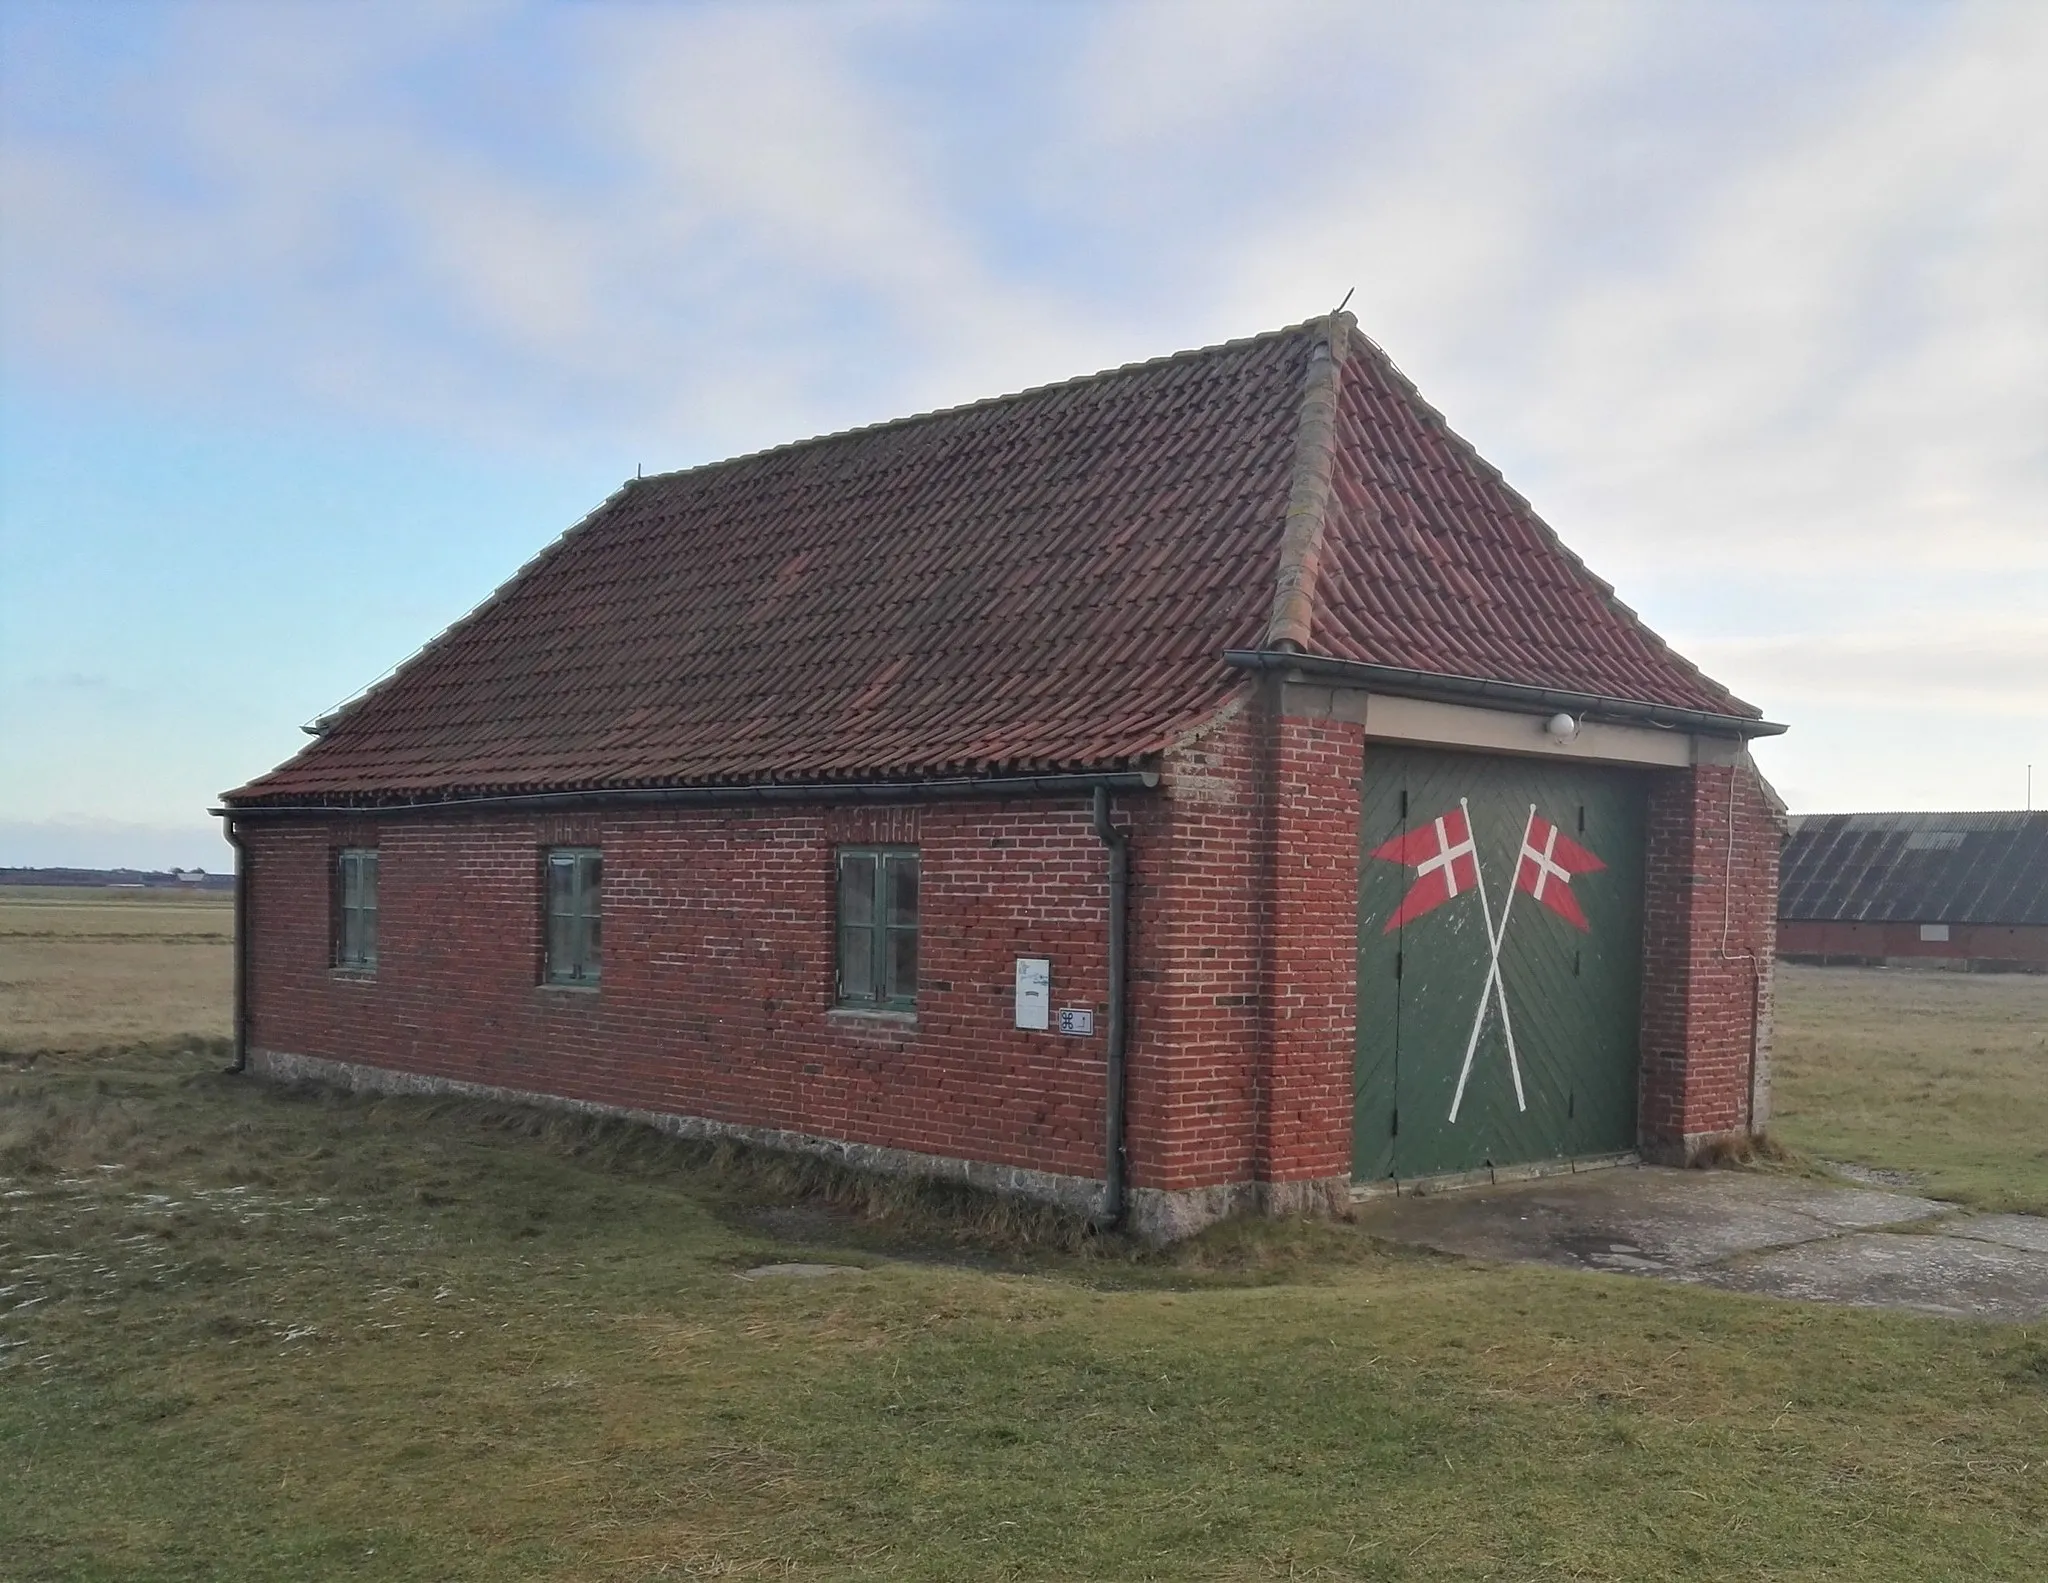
(1944, 1075)
(248, 1332)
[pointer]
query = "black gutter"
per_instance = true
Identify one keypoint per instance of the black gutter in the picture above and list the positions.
(1060, 785)
(1510, 695)
(234, 839)
(1115, 1166)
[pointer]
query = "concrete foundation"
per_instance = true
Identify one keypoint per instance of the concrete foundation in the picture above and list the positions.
(1153, 1215)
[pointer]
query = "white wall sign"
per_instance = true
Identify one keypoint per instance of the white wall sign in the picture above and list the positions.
(1034, 992)
(1934, 931)
(1077, 1020)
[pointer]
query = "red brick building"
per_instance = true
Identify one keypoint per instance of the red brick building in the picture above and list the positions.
(1202, 786)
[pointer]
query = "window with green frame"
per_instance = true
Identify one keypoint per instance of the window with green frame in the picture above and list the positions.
(355, 909)
(575, 918)
(878, 926)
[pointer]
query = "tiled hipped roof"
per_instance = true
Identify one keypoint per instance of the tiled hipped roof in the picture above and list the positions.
(1043, 582)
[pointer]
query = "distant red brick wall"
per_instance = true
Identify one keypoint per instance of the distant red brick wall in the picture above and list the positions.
(1709, 922)
(1980, 942)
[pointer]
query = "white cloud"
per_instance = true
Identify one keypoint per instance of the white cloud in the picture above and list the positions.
(1851, 353)
(1972, 669)
(814, 207)
(1748, 298)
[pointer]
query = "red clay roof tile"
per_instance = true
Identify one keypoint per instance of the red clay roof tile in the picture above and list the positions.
(1044, 581)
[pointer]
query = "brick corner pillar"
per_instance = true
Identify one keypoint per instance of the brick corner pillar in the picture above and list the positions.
(1709, 943)
(1303, 1158)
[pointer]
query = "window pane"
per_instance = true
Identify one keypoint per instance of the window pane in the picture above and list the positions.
(561, 954)
(902, 963)
(903, 888)
(561, 915)
(856, 888)
(573, 915)
(857, 964)
(355, 943)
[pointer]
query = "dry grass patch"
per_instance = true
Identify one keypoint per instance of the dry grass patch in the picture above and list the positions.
(82, 969)
(1944, 1075)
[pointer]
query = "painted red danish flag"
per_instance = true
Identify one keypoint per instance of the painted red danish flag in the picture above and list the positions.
(1550, 859)
(1444, 860)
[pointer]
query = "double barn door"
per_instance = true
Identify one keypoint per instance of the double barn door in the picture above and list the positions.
(1499, 962)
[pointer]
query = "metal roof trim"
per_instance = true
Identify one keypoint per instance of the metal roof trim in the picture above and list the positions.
(936, 789)
(1519, 696)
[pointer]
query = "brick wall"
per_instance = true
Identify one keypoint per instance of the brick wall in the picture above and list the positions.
(717, 988)
(1244, 993)
(2019, 944)
(718, 965)
(1709, 928)
(1314, 957)
(717, 971)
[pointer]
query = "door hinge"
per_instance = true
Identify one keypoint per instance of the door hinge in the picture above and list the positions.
(1404, 802)
(1398, 955)
(1397, 1121)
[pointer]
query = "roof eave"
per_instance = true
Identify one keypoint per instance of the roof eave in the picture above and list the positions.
(1519, 696)
(934, 788)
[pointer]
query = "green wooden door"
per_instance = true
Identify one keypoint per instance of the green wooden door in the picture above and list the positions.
(1499, 962)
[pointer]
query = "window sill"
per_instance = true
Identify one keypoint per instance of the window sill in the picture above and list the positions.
(554, 988)
(353, 975)
(872, 1016)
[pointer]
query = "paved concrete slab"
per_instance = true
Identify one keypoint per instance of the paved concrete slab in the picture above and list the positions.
(1743, 1231)
(2014, 1231)
(1637, 1217)
(1959, 1277)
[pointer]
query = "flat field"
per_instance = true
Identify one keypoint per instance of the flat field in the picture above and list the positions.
(81, 968)
(248, 1332)
(1940, 1075)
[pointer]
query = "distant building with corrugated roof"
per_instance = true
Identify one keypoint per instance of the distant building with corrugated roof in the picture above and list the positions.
(1964, 890)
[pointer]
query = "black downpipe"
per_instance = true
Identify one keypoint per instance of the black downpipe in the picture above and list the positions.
(234, 835)
(1115, 1166)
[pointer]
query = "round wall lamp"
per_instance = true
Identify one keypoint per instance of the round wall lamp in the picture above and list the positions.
(1561, 728)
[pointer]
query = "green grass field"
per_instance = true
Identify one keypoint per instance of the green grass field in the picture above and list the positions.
(255, 1333)
(1941, 1075)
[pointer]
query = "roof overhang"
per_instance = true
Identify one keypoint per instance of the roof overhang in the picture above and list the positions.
(1517, 696)
(1074, 784)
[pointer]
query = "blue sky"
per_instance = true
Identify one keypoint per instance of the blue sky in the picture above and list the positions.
(317, 320)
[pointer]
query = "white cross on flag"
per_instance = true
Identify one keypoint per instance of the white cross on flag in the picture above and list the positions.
(1445, 862)
(1550, 859)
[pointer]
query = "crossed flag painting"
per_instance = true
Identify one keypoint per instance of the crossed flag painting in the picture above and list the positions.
(1446, 863)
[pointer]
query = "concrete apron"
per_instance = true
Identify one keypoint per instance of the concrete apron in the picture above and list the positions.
(1746, 1232)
